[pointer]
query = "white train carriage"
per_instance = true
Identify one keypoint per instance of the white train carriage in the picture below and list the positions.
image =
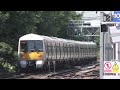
(39, 49)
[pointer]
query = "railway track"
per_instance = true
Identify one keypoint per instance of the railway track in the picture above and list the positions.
(14, 75)
(78, 72)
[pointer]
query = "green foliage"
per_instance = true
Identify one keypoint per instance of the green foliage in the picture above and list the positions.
(7, 57)
(5, 49)
(14, 24)
(55, 23)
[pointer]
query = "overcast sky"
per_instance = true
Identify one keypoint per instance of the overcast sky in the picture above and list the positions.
(92, 13)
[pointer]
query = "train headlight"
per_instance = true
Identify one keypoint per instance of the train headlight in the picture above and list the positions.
(39, 62)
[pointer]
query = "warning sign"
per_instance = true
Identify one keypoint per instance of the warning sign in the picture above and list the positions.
(111, 66)
(107, 66)
(111, 69)
(115, 68)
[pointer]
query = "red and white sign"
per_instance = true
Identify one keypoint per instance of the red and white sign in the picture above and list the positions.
(111, 69)
(107, 67)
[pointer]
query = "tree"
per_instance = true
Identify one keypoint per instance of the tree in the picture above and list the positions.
(55, 23)
(14, 24)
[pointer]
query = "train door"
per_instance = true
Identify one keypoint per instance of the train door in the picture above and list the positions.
(83, 51)
(60, 44)
(87, 50)
(78, 51)
(64, 51)
(54, 53)
(55, 50)
(75, 51)
(70, 50)
(46, 49)
(58, 50)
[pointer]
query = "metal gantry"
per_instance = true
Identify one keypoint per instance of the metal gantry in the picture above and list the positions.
(84, 28)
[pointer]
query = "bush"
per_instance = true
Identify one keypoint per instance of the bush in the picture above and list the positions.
(8, 57)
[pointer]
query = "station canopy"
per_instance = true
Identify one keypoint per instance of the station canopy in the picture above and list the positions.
(115, 33)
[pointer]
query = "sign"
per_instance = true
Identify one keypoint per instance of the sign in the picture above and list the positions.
(116, 16)
(111, 69)
(107, 66)
(115, 68)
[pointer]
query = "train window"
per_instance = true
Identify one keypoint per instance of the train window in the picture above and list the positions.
(65, 49)
(46, 48)
(81, 50)
(31, 45)
(23, 45)
(69, 50)
(90, 50)
(39, 45)
(58, 49)
(72, 50)
(75, 50)
(49, 48)
(78, 50)
(84, 49)
(87, 50)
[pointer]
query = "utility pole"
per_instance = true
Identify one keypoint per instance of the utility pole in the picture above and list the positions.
(105, 19)
(101, 47)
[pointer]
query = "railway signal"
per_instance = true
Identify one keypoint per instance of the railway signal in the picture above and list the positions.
(104, 28)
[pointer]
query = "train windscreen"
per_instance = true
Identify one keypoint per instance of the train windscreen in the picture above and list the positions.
(31, 46)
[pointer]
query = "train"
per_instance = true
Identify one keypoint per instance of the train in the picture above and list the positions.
(37, 51)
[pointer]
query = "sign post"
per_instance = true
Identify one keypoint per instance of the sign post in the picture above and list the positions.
(101, 47)
(111, 68)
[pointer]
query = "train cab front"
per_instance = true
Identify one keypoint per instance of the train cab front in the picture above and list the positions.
(31, 53)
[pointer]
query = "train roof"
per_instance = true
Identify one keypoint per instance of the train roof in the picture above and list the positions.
(31, 37)
(42, 37)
